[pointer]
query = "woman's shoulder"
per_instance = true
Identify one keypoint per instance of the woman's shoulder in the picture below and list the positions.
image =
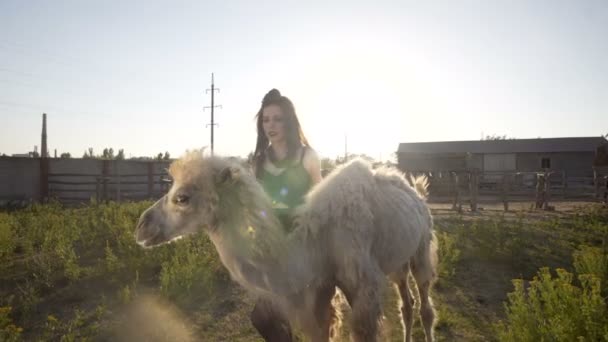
(309, 155)
(312, 164)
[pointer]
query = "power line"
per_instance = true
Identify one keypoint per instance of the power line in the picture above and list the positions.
(18, 72)
(38, 107)
(18, 83)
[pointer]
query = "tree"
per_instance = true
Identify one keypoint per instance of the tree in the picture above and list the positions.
(495, 137)
(65, 155)
(167, 156)
(328, 164)
(159, 156)
(120, 155)
(108, 153)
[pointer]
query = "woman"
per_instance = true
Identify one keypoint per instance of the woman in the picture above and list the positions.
(287, 167)
(284, 163)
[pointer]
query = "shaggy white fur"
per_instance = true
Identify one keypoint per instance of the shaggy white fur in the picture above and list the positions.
(356, 226)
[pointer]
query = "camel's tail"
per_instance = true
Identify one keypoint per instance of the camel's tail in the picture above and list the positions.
(420, 184)
(424, 264)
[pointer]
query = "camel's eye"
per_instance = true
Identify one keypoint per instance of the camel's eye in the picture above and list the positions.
(181, 199)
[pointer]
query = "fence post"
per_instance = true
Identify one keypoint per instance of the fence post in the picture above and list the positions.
(564, 183)
(97, 180)
(150, 179)
(473, 189)
(118, 181)
(596, 183)
(540, 190)
(606, 189)
(44, 178)
(105, 171)
(456, 204)
(505, 191)
(547, 190)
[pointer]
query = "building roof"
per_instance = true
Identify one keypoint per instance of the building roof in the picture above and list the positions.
(540, 145)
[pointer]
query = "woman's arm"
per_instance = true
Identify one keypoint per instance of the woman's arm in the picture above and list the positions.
(312, 164)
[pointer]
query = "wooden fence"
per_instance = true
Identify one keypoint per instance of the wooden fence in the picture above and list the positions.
(474, 187)
(104, 185)
(127, 187)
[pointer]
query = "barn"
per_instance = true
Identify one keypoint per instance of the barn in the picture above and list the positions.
(573, 156)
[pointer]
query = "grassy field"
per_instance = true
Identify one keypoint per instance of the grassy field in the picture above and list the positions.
(71, 274)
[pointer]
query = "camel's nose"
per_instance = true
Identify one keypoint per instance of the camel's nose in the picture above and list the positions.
(145, 227)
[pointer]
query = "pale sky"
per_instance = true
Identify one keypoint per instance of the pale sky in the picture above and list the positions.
(133, 74)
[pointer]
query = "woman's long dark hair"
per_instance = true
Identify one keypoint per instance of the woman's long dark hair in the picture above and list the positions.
(293, 131)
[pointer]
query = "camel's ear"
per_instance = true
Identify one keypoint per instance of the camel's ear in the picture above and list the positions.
(228, 175)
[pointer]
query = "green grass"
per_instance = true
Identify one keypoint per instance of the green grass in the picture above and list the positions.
(76, 274)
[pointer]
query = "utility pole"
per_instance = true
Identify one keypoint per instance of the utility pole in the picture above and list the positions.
(212, 107)
(345, 148)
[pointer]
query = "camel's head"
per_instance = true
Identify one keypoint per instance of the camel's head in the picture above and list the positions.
(191, 205)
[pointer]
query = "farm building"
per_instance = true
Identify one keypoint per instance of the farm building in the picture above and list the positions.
(574, 167)
(574, 156)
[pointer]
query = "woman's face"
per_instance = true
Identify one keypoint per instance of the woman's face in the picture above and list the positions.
(273, 123)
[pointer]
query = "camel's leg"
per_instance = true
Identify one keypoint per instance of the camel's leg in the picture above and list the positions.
(316, 312)
(407, 301)
(325, 312)
(424, 278)
(270, 322)
(363, 291)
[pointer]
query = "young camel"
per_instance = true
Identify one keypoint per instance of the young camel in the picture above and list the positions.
(356, 226)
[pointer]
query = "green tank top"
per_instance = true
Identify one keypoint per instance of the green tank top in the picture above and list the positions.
(286, 187)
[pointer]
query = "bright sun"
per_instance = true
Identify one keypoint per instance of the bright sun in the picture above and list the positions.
(361, 103)
(377, 100)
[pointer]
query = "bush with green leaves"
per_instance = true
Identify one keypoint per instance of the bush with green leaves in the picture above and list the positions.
(9, 332)
(593, 261)
(193, 266)
(555, 309)
(567, 307)
(448, 253)
(48, 248)
(7, 238)
(81, 327)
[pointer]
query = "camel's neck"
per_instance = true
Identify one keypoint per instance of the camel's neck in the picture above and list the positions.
(256, 250)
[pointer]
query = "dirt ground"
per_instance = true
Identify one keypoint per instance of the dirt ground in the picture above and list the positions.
(559, 208)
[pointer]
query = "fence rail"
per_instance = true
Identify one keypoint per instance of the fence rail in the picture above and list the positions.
(474, 187)
(116, 187)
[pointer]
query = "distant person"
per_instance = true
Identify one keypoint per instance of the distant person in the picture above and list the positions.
(287, 167)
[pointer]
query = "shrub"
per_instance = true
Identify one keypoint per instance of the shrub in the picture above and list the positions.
(593, 261)
(193, 266)
(7, 238)
(553, 309)
(449, 254)
(9, 332)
